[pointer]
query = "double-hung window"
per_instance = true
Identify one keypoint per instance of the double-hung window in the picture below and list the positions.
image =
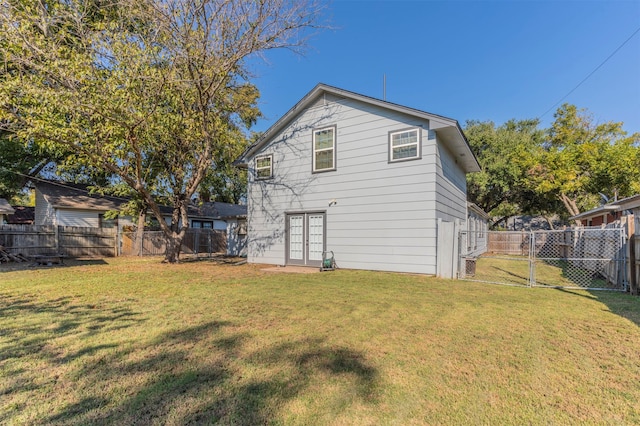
(324, 149)
(264, 167)
(404, 145)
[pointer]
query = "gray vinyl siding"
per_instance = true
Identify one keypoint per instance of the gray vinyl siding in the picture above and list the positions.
(385, 217)
(451, 188)
(44, 213)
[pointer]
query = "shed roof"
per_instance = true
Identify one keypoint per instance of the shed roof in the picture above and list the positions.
(598, 211)
(218, 210)
(629, 203)
(5, 207)
(447, 129)
(473, 207)
(77, 196)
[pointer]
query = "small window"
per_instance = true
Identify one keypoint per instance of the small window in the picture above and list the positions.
(324, 149)
(264, 167)
(404, 145)
(202, 224)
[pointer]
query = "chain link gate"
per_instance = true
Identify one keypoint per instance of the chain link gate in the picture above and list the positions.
(580, 258)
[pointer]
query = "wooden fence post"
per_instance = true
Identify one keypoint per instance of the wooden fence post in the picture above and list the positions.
(56, 237)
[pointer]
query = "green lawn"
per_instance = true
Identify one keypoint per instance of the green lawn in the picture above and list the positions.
(134, 341)
(548, 273)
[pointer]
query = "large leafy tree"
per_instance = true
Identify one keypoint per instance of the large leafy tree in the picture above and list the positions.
(153, 92)
(581, 161)
(505, 153)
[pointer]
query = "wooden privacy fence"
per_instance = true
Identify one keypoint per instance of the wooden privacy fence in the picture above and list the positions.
(72, 241)
(509, 243)
(196, 241)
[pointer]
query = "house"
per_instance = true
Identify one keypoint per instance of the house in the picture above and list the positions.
(599, 216)
(22, 215)
(66, 204)
(361, 177)
(5, 210)
(231, 218)
(476, 227)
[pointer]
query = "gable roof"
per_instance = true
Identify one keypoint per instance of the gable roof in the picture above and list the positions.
(76, 196)
(477, 210)
(218, 210)
(5, 207)
(447, 129)
(628, 203)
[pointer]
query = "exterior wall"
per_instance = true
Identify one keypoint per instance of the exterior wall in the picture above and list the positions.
(385, 214)
(3, 219)
(476, 238)
(43, 213)
(451, 187)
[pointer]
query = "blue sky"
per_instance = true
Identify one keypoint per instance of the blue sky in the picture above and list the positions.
(484, 60)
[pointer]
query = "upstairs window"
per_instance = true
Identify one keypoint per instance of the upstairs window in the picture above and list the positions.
(324, 149)
(404, 145)
(264, 167)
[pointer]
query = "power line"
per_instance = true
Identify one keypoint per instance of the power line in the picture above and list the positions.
(592, 72)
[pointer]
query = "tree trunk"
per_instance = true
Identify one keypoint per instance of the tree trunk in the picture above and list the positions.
(174, 245)
(142, 218)
(550, 222)
(571, 207)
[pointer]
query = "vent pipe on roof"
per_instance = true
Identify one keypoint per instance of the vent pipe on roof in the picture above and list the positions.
(384, 87)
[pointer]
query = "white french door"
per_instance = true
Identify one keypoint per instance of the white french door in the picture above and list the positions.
(305, 238)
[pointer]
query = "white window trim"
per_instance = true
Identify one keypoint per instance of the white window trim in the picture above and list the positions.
(262, 157)
(417, 144)
(333, 147)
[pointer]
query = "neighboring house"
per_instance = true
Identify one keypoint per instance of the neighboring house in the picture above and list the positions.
(223, 216)
(599, 216)
(364, 178)
(22, 216)
(5, 211)
(612, 213)
(66, 204)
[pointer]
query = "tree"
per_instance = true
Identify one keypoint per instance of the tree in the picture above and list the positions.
(225, 182)
(580, 161)
(153, 92)
(505, 153)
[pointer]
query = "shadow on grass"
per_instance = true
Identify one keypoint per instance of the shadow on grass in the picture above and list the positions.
(618, 303)
(191, 375)
(621, 304)
(30, 324)
(215, 390)
(22, 266)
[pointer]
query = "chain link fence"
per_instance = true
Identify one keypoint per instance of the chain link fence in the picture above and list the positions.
(584, 258)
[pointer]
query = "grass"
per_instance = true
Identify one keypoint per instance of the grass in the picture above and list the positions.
(134, 341)
(548, 273)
